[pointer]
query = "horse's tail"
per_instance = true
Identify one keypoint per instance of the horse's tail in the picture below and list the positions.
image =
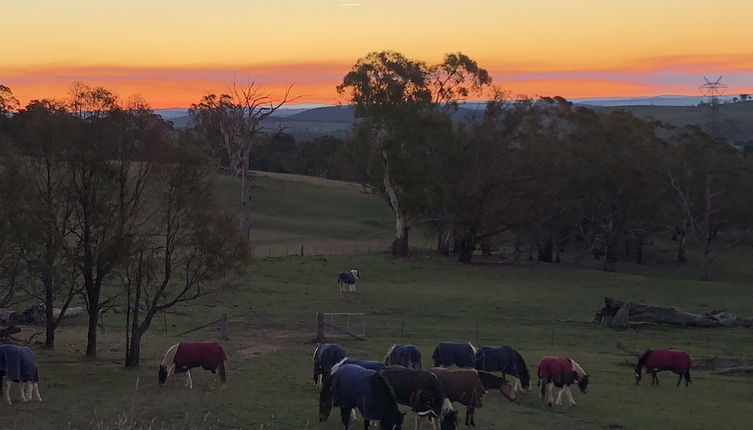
(542, 387)
(223, 373)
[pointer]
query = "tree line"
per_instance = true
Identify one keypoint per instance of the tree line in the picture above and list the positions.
(544, 174)
(99, 202)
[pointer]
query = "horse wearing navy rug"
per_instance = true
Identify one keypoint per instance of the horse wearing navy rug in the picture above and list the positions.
(460, 354)
(423, 393)
(656, 360)
(507, 361)
(18, 364)
(466, 387)
(325, 356)
(349, 387)
(184, 356)
(561, 373)
(347, 281)
(404, 355)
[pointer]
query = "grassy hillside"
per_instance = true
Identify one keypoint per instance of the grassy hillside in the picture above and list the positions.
(540, 309)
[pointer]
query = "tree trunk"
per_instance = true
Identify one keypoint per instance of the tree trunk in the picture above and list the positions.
(246, 194)
(49, 339)
(681, 258)
(467, 246)
(486, 247)
(400, 244)
(445, 240)
(134, 349)
(545, 250)
(91, 336)
(706, 264)
(610, 261)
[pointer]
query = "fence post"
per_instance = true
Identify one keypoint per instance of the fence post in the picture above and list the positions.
(319, 327)
(551, 339)
(223, 327)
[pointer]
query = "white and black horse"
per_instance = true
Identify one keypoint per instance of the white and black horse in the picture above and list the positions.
(561, 373)
(403, 355)
(18, 364)
(184, 356)
(354, 387)
(347, 281)
(325, 356)
(506, 360)
(447, 354)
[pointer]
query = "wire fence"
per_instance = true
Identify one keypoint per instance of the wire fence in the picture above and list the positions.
(319, 249)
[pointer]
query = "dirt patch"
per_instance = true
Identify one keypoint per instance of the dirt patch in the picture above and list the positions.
(258, 342)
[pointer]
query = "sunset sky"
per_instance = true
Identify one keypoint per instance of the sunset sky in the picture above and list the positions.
(171, 52)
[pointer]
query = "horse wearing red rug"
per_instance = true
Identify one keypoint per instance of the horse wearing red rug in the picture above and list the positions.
(656, 360)
(561, 373)
(184, 356)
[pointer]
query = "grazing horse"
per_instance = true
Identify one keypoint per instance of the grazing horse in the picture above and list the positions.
(466, 387)
(460, 354)
(422, 391)
(184, 356)
(325, 356)
(347, 281)
(561, 373)
(18, 364)
(506, 360)
(349, 387)
(404, 355)
(656, 360)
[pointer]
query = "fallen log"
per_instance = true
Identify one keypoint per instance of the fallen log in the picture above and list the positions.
(619, 314)
(745, 370)
(9, 317)
(6, 332)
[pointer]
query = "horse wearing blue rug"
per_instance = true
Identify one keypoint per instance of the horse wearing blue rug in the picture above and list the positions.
(349, 387)
(18, 364)
(325, 356)
(506, 360)
(404, 355)
(347, 281)
(423, 393)
(460, 354)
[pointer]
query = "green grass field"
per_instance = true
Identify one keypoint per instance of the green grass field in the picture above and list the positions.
(538, 308)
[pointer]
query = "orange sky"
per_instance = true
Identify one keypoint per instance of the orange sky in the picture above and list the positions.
(172, 52)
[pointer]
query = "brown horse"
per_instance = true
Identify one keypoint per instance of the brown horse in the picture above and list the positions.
(467, 388)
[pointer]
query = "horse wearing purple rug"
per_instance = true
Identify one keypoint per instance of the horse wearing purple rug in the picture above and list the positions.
(561, 373)
(656, 360)
(505, 360)
(349, 387)
(184, 356)
(18, 364)
(325, 356)
(404, 355)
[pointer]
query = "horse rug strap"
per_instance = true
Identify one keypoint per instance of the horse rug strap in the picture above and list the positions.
(462, 386)
(207, 355)
(11, 360)
(412, 387)
(351, 387)
(459, 354)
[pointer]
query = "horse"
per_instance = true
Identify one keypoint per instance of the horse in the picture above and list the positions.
(466, 387)
(347, 280)
(460, 354)
(423, 393)
(184, 356)
(656, 360)
(18, 364)
(561, 373)
(349, 387)
(506, 360)
(325, 356)
(404, 355)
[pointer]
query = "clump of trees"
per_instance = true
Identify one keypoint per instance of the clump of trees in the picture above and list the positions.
(543, 174)
(100, 203)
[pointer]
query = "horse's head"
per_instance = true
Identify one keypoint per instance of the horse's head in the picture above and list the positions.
(508, 391)
(162, 374)
(392, 420)
(449, 421)
(583, 384)
(638, 375)
(325, 398)
(356, 274)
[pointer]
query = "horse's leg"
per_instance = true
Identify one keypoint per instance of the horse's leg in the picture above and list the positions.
(36, 392)
(26, 391)
(518, 387)
(679, 380)
(473, 417)
(559, 395)
(467, 416)
(570, 396)
(687, 378)
(345, 417)
(6, 390)
(189, 381)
